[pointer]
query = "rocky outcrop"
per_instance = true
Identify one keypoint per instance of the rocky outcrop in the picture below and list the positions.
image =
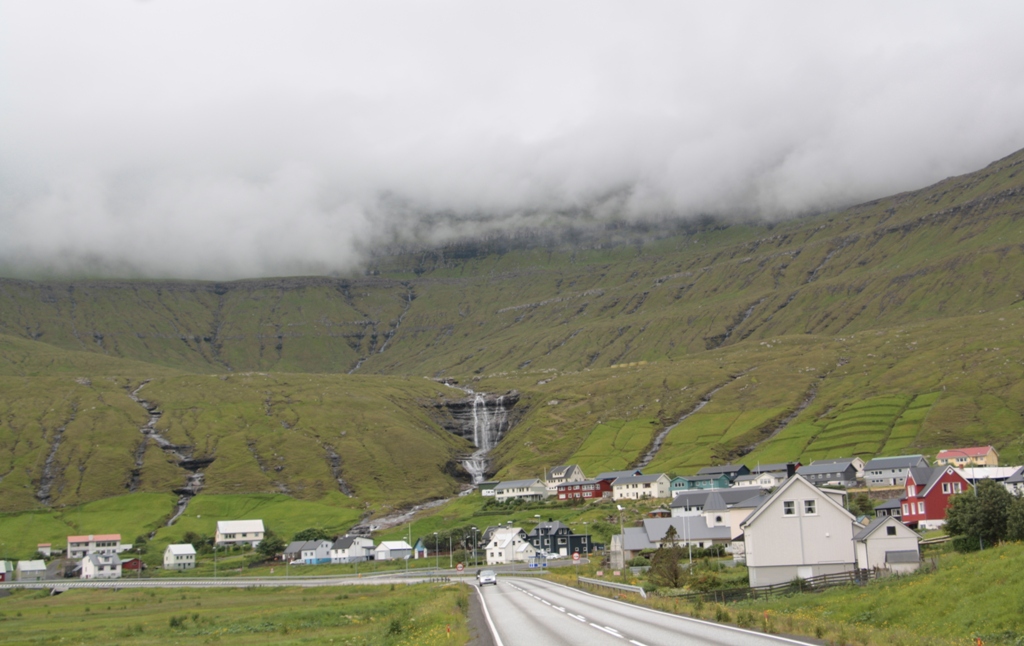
(481, 418)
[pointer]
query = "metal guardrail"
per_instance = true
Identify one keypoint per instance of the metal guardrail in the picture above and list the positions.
(617, 586)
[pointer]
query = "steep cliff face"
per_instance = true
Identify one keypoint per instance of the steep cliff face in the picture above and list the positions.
(481, 418)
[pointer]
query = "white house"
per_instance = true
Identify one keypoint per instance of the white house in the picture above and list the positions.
(887, 544)
(316, 552)
(763, 480)
(892, 471)
(562, 474)
(31, 570)
(658, 485)
(180, 556)
(503, 544)
(351, 549)
(527, 489)
(239, 532)
(82, 546)
(799, 531)
(392, 550)
(1015, 483)
(7, 571)
(101, 566)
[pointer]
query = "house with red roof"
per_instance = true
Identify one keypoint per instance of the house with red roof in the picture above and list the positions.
(982, 456)
(81, 546)
(928, 490)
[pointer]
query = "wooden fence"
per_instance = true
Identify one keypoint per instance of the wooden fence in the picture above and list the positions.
(813, 584)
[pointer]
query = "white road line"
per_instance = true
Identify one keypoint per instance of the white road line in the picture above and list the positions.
(614, 630)
(603, 629)
(636, 643)
(558, 608)
(487, 616)
(577, 617)
(545, 602)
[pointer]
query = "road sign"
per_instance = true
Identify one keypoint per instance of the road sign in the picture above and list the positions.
(575, 556)
(460, 567)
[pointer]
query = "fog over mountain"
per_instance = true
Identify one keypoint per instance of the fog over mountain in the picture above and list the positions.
(231, 139)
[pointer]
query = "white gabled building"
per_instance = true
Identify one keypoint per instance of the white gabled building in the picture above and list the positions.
(392, 550)
(32, 570)
(101, 566)
(180, 556)
(239, 532)
(352, 549)
(504, 546)
(888, 544)
(527, 489)
(798, 531)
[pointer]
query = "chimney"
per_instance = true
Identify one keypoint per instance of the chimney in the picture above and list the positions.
(790, 470)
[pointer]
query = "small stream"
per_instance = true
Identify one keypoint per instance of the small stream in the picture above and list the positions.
(181, 454)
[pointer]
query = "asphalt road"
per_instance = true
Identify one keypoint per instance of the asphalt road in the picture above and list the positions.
(531, 612)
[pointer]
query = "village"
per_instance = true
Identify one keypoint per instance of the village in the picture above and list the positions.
(782, 521)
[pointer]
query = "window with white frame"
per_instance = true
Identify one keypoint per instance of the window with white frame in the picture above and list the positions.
(810, 507)
(957, 488)
(905, 511)
(789, 508)
(920, 507)
(946, 488)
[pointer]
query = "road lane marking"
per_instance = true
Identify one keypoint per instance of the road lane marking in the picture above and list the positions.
(545, 602)
(558, 608)
(487, 616)
(614, 630)
(636, 643)
(577, 617)
(605, 630)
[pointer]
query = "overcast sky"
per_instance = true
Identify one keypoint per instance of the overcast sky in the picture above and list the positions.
(191, 138)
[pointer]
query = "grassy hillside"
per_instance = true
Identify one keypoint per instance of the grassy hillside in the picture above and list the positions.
(886, 328)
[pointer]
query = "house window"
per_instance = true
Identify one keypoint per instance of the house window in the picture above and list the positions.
(920, 507)
(810, 507)
(946, 488)
(905, 512)
(956, 487)
(789, 508)
(890, 531)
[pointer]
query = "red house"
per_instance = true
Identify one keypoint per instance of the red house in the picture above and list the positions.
(585, 489)
(927, 495)
(132, 564)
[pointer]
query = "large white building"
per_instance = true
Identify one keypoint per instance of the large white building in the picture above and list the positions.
(239, 532)
(179, 557)
(799, 531)
(657, 485)
(351, 549)
(526, 489)
(82, 546)
(888, 544)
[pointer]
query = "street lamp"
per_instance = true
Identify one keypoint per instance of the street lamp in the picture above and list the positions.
(474, 547)
(436, 555)
(622, 540)
(450, 563)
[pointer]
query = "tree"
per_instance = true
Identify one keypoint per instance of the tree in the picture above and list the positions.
(665, 569)
(861, 505)
(671, 536)
(270, 546)
(312, 534)
(1015, 520)
(979, 518)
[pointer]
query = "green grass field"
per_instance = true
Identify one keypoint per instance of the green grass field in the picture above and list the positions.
(364, 615)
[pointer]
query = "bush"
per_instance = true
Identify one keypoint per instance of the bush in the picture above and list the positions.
(638, 561)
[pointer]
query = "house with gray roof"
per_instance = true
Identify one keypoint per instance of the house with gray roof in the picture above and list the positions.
(839, 472)
(532, 489)
(612, 475)
(887, 544)
(691, 503)
(890, 507)
(351, 549)
(1015, 483)
(730, 470)
(555, 537)
(891, 471)
(637, 487)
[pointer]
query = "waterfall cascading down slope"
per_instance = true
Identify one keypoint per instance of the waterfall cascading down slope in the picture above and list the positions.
(483, 419)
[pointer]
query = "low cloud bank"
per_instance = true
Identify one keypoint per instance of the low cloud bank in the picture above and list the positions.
(183, 139)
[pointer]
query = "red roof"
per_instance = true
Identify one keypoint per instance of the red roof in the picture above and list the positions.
(94, 537)
(972, 452)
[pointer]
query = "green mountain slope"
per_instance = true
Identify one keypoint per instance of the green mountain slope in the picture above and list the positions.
(889, 327)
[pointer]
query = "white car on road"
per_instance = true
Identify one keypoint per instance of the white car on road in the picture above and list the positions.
(483, 577)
